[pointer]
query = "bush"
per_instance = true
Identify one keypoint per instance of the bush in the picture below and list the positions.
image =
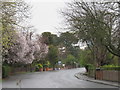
(40, 65)
(45, 65)
(36, 68)
(5, 71)
(48, 63)
(89, 66)
(110, 67)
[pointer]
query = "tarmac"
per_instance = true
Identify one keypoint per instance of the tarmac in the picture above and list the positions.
(82, 76)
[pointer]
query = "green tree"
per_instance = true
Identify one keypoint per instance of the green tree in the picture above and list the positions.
(70, 60)
(13, 14)
(85, 57)
(49, 38)
(68, 40)
(55, 39)
(97, 27)
(53, 55)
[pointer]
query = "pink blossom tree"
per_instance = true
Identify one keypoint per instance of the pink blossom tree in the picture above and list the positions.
(41, 49)
(25, 49)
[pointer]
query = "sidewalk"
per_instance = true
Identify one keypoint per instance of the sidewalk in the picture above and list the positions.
(86, 78)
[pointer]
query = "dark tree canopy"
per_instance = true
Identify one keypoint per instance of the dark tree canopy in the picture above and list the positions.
(50, 39)
(53, 55)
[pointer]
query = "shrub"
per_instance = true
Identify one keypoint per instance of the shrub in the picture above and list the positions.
(48, 63)
(5, 71)
(45, 65)
(110, 67)
(89, 66)
(36, 68)
(40, 65)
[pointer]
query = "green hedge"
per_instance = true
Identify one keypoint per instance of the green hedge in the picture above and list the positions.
(110, 67)
(5, 71)
(90, 66)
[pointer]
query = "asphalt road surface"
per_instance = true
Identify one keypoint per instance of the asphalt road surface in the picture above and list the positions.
(50, 79)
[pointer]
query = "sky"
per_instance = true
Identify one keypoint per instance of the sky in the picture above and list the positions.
(45, 15)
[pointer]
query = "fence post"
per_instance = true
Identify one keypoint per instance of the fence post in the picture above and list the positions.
(98, 74)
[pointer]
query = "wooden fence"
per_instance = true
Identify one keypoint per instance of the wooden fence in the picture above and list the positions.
(109, 75)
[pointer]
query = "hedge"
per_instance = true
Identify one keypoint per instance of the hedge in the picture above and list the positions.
(89, 67)
(110, 67)
(5, 71)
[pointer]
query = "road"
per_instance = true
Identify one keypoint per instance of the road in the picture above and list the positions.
(50, 79)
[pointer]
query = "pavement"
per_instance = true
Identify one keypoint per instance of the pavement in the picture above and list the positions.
(83, 76)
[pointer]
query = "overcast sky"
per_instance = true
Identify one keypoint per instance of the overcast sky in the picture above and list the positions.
(45, 15)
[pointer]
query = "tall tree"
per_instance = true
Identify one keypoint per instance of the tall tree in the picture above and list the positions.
(41, 49)
(96, 24)
(53, 55)
(13, 14)
(50, 39)
(68, 40)
(70, 60)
